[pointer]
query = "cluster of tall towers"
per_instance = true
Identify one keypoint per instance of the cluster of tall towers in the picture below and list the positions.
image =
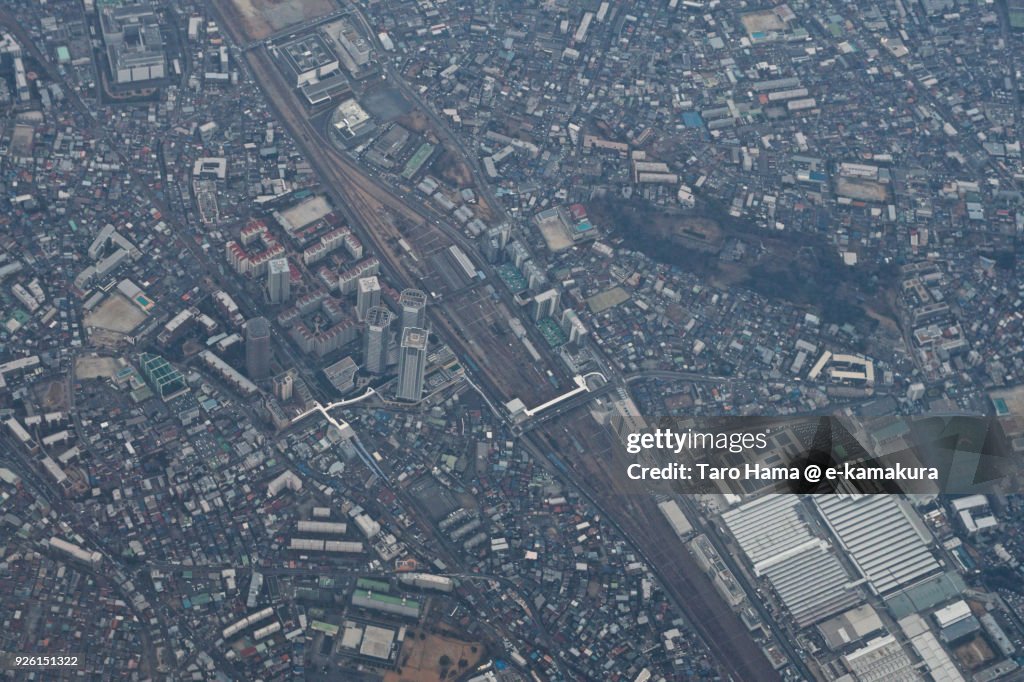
(411, 323)
(412, 336)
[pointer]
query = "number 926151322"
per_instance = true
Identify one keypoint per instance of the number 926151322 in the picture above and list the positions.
(27, 661)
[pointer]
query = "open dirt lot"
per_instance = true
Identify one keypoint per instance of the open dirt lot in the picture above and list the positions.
(864, 190)
(762, 21)
(974, 653)
(386, 103)
(1010, 408)
(116, 314)
(21, 140)
(554, 236)
(307, 212)
(454, 171)
(607, 299)
(415, 120)
(259, 19)
(95, 367)
(52, 395)
(419, 660)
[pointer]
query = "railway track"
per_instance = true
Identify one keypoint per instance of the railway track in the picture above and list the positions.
(372, 209)
(638, 519)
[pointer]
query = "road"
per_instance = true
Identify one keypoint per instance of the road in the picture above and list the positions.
(692, 377)
(22, 464)
(926, 94)
(440, 126)
(438, 548)
(363, 199)
(683, 581)
(782, 637)
(373, 212)
(372, 208)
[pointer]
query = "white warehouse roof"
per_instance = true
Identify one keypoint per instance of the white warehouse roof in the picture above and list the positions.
(768, 526)
(889, 548)
(808, 578)
(813, 586)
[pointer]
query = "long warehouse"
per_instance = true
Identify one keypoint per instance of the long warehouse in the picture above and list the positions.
(884, 538)
(807, 576)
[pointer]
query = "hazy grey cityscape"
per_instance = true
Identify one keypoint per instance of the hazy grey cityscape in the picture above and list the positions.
(344, 340)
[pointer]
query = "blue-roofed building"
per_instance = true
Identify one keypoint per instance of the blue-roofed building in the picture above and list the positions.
(692, 119)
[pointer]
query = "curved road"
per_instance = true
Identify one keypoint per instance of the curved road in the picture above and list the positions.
(692, 377)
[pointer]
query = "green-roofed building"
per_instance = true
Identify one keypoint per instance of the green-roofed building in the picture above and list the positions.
(552, 333)
(927, 594)
(163, 377)
(398, 606)
(412, 167)
(327, 628)
(373, 585)
(1015, 8)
